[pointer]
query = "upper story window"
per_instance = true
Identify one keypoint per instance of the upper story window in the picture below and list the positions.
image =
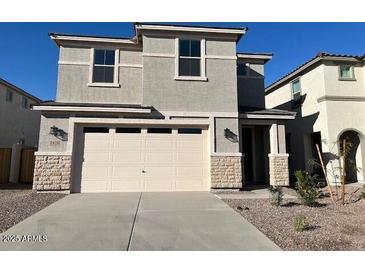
(104, 66)
(9, 96)
(295, 88)
(346, 72)
(24, 102)
(189, 57)
(243, 69)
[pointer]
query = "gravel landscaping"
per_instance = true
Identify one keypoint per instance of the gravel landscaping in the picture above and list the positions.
(18, 204)
(332, 227)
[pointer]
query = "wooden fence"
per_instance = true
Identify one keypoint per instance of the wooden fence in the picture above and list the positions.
(5, 158)
(27, 165)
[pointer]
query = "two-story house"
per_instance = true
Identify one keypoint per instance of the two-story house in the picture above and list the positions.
(175, 108)
(328, 94)
(18, 123)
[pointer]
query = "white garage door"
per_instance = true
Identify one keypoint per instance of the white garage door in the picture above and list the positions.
(144, 159)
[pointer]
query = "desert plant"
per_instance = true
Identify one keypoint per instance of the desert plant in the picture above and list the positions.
(362, 194)
(307, 188)
(301, 223)
(276, 195)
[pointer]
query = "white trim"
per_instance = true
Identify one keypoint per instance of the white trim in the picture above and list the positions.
(203, 76)
(76, 63)
(121, 121)
(235, 154)
(221, 57)
(190, 29)
(92, 109)
(105, 85)
(267, 116)
(116, 69)
(190, 78)
(200, 114)
(253, 56)
(55, 153)
(163, 55)
(92, 39)
(124, 65)
(278, 154)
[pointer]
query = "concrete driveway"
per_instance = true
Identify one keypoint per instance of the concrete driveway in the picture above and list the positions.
(138, 221)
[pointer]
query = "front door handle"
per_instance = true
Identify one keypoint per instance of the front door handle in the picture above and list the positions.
(143, 171)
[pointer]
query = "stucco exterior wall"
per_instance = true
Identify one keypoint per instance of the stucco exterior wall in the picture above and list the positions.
(16, 122)
(327, 116)
(48, 142)
(74, 77)
(222, 143)
(160, 89)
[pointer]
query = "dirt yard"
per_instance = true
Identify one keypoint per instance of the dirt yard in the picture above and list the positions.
(18, 204)
(332, 227)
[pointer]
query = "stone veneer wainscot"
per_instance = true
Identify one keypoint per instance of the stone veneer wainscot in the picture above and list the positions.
(52, 172)
(279, 172)
(226, 172)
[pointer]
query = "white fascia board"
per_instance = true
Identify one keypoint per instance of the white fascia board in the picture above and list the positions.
(92, 109)
(92, 39)
(254, 56)
(267, 116)
(191, 29)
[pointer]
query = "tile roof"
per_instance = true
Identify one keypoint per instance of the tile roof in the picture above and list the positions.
(319, 56)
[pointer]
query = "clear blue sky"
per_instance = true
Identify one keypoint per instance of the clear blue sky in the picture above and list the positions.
(28, 58)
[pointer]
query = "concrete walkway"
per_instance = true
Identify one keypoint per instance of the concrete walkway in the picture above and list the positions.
(262, 193)
(135, 221)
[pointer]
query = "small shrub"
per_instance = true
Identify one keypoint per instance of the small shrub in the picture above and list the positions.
(307, 188)
(362, 195)
(301, 223)
(276, 195)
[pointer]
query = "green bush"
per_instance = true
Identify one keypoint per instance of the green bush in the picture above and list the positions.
(307, 188)
(276, 195)
(301, 223)
(362, 195)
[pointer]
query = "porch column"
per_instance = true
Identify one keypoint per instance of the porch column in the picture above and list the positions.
(278, 158)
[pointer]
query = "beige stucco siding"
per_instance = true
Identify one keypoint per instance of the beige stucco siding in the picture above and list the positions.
(48, 142)
(74, 77)
(16, 122)
(336, 87)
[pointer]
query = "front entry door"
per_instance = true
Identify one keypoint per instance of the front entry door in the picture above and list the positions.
(247, 150)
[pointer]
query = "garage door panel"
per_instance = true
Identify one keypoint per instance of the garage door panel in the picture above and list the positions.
(145, 161)
(96, 156)
(159, 157)
(191, 185)
(122, 143)
(159, 144)
(125, 157)
(95, 171)
(94, 186)
(126, 185)
(190, 157)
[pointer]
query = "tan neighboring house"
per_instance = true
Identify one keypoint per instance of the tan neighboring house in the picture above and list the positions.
(174, 108)
(18, 123)
(328, 94)
(19, 130)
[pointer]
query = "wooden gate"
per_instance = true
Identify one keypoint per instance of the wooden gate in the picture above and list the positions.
(27, 165)
(5, 158)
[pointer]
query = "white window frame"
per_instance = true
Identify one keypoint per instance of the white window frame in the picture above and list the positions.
(292, 87)
(351, 78)
(202, 76)
(247, 71)
(8, 91)
(116, 69)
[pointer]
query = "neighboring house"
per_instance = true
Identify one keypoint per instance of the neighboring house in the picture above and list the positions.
(175, 108)
(328, 94)
(18, 123)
